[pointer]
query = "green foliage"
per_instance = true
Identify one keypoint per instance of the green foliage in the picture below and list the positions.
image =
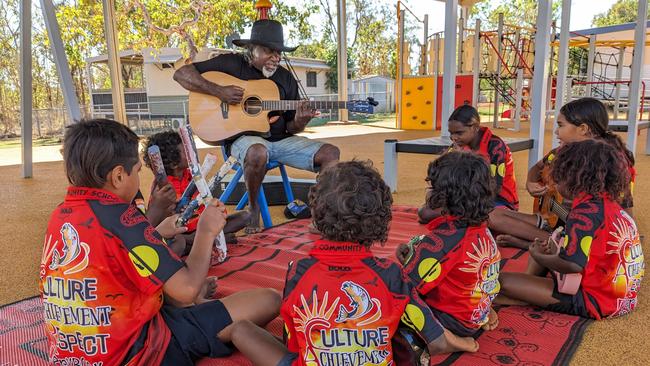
(515, 12)
(623, 11)
(331, 57)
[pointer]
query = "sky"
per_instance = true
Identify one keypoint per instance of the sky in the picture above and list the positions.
(582, 11)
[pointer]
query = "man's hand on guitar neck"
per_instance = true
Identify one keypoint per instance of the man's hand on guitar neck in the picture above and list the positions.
(304, 114)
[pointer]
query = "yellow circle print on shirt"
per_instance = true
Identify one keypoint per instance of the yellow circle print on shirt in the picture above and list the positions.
(429, 269)
(145, 259)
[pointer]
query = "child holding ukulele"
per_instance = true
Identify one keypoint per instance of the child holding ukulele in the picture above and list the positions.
(600, 251)
(579, 120)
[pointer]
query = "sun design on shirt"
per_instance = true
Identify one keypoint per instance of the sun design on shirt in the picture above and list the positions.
(627, 246)
(484, 261)
(310, 317)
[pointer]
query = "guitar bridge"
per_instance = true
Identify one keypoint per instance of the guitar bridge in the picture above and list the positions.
(224, 110)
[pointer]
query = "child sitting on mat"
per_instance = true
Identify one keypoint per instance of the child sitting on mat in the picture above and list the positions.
(342, 304)
(579, 120)
(179, 177)
(467, 134)
(105, 270)
(456, 265)
(601, 241)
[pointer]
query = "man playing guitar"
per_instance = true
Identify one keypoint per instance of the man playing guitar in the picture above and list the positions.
(261, 59)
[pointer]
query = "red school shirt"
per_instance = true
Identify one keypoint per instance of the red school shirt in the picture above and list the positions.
(342, 306)
(603, 239)
(101, 278)
(498, 155)
(456, 270)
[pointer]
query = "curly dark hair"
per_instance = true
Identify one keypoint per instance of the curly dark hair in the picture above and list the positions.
(351, 203)
(92, 148)
(461, 185)
(593, 113)
(168, 142)
(590, 166)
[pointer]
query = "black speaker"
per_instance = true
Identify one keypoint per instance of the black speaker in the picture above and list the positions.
(273, 188)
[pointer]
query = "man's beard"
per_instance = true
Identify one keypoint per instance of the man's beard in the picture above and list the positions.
(267, 72)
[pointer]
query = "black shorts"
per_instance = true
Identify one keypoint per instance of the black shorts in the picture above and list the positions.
(568, 304)
(288, 359)
(194, 332)
(450, 323)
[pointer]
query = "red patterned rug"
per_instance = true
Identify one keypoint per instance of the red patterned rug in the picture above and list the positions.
(525, 336)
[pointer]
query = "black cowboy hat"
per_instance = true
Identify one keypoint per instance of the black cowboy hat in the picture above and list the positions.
(268, 33)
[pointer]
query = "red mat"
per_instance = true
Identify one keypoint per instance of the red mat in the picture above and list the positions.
(525, 336)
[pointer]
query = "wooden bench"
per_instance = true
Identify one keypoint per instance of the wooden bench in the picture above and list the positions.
(430, 145)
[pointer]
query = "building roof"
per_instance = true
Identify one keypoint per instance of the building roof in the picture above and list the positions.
(607, 29)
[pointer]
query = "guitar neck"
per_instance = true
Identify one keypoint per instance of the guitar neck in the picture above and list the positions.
(559, 210)
(286, 105)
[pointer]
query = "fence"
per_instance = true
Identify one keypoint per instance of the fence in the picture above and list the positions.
(152, 116)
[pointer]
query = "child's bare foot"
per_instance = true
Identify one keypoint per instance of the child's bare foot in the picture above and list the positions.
(312, 229)
(505, 240)
(236, 221)
(208, 290)
(253, 226)
(493, 320)
(231, 238)
(450, 343)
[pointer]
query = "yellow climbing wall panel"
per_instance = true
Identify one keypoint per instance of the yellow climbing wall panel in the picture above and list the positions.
(417, 103)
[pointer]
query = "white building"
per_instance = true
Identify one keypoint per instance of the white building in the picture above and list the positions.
(151, 91)
(378, 87)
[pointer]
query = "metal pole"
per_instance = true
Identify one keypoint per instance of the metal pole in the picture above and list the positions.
(390, 164)
(26, 87)
(549, 91)
(477, 63)
(461, 39)
(563, 57)
(114, 65)
(449, 66)
(400, 64)
(425, 43)
(619, 76)
(635, 76)
(540, 78)
(590, 63)
(342, 58)
(520, 91)
(497, 78)
(436, 74)
(61, 61)
(89, 85)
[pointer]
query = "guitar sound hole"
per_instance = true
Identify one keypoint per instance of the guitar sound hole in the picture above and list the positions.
(252, 106)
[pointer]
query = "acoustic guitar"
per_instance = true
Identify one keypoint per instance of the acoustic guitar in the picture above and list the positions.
(214, 121)
(550, 206)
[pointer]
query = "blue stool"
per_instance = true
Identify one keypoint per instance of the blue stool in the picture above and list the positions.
(261, 197)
